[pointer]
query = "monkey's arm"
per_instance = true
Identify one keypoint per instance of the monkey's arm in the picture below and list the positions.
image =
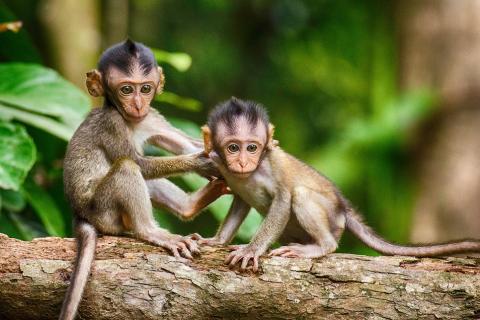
(270, 230)
(236, 214)
(117, 145)
(167, 195)
(158, 167)
(173, 139)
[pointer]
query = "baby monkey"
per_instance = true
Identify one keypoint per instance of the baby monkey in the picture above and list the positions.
(302, 208)
(109, 182)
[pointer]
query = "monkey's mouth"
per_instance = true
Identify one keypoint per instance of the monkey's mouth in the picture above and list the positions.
(242, 174)
(137, 118)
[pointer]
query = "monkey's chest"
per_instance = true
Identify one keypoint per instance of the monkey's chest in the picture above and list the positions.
(254, 192)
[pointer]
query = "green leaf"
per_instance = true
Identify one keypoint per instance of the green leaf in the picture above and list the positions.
(12, 200)
(41, 90)
(17, 155)
(50, 125)
(189, 127)
(8, 227)
(180, 102)
(179, 60)
(45, 208)
(26, 230)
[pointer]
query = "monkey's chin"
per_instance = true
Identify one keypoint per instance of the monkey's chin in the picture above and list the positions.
(241, 175)
(135, 118)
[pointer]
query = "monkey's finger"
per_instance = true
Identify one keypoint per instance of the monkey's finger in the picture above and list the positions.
(229, 258)
(184, 250)
(174, 250)
(235, 259)
(290, 254)
(233, 247)
(192, 246)
(255, 264)
(245, 261)
(278, 251)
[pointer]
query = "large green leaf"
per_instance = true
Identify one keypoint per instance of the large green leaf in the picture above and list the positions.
(48, 124)
(45, 208)
(41, 90)
(17, 155)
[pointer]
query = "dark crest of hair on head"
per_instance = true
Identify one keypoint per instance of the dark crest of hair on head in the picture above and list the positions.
(229, 111)
(123, 55)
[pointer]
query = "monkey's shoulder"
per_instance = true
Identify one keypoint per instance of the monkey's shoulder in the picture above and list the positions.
(293, 172)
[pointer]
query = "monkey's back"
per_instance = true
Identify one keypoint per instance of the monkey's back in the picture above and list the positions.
(85, 161)
(294, 172)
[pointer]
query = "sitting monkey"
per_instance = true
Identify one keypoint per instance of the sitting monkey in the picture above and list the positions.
(108, 180)
(302, 208)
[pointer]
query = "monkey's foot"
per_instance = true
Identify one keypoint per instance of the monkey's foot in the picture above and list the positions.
(296, 250)
(214, 241)
(243, 253)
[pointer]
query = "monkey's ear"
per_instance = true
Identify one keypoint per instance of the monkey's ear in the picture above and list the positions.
(271, 143)
(94, 83)
(162, 80)
(207, 139)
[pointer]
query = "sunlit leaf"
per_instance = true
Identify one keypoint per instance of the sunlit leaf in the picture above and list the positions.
(16, 46)
(179, 60)
(13, 26)
(41, 90)
(17, 155)
(178, 101)
(45, 208)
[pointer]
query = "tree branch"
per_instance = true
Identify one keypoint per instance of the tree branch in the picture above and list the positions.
(131, 279)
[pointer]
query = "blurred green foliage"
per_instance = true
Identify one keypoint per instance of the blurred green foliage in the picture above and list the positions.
(326, 70)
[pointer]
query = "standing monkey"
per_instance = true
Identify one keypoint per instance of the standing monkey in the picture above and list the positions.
(108, 180)
(301, 207)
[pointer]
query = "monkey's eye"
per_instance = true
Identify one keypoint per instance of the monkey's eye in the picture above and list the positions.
(146, 88)
(126, 89)
(252, 148)
(233, 148)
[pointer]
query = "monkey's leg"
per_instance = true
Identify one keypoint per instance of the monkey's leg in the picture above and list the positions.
(165, 194)
(122, 203)
(308, 207)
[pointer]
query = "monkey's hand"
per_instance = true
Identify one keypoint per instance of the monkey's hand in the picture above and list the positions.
(180, 246)
(244, 253)
(205, 166)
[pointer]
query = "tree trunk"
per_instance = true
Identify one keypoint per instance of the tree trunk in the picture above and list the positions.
(73, 36)
(440, 49)
(133, 280)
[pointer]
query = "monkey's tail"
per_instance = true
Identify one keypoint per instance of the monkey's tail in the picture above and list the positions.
(355, 224)
(86, 242)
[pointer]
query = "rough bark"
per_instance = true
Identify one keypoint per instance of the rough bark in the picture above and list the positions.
(133, 280)
(439, 49)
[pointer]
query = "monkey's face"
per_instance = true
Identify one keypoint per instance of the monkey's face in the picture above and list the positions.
(133, 93)
(241, 146)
